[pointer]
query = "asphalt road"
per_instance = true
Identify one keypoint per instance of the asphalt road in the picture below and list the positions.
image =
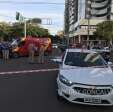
(34, 91)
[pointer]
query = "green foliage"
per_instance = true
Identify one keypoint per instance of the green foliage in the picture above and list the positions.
(4, 30)
(104, 30)
(8, 31)
(35, 30)
(17, 30)
(35, 21)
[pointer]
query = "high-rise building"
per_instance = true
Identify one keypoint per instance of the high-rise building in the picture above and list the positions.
(66, 17)
(82, 16)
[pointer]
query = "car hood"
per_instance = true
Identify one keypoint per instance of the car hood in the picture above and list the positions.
(88, 75)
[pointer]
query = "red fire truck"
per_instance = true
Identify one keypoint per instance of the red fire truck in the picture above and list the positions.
(20, 47)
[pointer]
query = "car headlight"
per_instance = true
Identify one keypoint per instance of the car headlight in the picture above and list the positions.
(65, 81)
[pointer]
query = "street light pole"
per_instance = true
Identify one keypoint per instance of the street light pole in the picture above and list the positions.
(68, 40)
(88, 32)
(88, 18)
(25, 28)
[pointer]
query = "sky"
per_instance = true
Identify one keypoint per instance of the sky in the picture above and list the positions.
(54, 12)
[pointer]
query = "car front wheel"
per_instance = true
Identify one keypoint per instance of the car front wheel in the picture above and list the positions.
(59, 98)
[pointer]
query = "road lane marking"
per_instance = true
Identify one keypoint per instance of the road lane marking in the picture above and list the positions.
(29, 71)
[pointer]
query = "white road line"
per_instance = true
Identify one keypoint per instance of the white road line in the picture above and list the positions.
(29, 71)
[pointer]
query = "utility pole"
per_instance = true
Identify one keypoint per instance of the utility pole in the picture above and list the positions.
(88, 32)
(25, 28)
(21, 19)
(88, 20)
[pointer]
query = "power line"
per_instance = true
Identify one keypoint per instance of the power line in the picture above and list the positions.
(32, 3)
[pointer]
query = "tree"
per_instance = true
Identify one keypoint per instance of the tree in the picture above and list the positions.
(9, 31)
(17, 30)
(104, 30)
(35, 30)
(4, 30)
(35, 21)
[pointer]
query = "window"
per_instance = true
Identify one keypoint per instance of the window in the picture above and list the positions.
(84, 59)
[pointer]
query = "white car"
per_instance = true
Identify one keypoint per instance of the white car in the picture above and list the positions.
(85, 78)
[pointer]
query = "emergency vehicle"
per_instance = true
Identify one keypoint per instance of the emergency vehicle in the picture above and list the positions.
(20, 46)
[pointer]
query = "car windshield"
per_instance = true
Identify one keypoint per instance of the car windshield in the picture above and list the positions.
(84, 59)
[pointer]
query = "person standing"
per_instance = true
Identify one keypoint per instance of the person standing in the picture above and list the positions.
(41, 54)
(31, 51)
(5, 50)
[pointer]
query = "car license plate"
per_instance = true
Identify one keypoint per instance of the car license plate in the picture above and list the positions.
(92, 100)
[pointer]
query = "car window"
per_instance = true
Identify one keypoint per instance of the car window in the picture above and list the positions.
(84, 59)
(22, 43)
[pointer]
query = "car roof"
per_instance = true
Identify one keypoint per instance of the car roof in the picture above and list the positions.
(80, 50)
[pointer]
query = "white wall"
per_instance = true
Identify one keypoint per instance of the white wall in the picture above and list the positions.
(81, 9)
(112, 10)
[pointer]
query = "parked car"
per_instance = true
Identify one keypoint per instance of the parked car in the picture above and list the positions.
(85, 77)
(54, 46)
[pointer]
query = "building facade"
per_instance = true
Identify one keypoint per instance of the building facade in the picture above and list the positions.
(82, 16)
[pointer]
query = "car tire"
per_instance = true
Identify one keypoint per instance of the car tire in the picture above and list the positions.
(15, 55)
(59, 98)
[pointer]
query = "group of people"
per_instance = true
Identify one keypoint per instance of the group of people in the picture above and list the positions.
(33, 49)
(5, 49)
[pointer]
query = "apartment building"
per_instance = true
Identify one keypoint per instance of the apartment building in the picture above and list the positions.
(82, 16)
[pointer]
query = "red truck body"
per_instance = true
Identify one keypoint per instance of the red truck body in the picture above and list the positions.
(22, 48)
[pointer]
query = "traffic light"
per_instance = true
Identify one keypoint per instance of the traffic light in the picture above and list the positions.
(17, 15)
